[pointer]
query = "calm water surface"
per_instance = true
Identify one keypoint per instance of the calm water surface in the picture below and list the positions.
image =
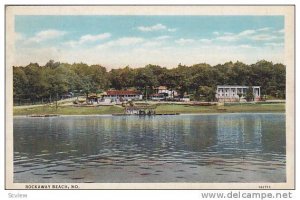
(184, 148)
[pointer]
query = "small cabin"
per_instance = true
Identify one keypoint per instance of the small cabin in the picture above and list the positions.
(163, 93)
(122, 95)
(93, 98)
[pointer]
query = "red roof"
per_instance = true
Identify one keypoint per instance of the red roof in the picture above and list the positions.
(122, 92)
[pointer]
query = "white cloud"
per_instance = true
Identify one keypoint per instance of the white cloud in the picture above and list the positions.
(227, 38)
(228, 33)
(172, 29)
(163, 37)
(171, 56)
(264, 29)
(152, 44)
(125, 41)
(247, 32)
(132, 41)
(88, 38)
(281, 31)
(273, 44)
(230, 37)
(262, 34)
(45, 35)
(205, 41)
(247, 46)
(263, 37)
(39, 55)
(278, 33)
(93, 38)
(183, 41)
(156, 27)
(71, 43)
(161, 50)
(128, 41)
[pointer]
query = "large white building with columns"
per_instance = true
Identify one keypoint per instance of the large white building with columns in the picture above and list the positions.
(230, 92)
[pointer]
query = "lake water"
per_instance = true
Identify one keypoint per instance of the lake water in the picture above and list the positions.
(184, 148)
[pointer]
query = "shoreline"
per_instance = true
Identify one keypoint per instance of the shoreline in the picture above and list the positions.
(184, 114)
(160, 109)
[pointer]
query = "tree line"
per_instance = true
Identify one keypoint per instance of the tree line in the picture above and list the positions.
(35, 83)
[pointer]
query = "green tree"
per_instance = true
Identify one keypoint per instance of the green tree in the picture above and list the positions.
(39, 83)
(20, 84)
(207, 93)
(249, 94)
(122, 78)
(202, 74)
(182, 76)
(262, 73)
(57, 82)
(240, 95)
(36, 82)
(52, 64)
(169, 81)
(145, 80)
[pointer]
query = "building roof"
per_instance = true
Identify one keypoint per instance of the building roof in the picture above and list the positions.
(239, 86)
(122, 92)
(94, 95)
(161, 87)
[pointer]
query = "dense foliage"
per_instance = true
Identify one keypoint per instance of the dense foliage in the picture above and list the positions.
(36, 83)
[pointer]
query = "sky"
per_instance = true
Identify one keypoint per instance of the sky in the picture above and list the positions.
(135, 41)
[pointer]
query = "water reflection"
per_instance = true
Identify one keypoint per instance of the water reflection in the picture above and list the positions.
(239, 132)
(184, 148)
(252, 132)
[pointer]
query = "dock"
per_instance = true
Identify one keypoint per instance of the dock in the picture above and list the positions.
(136, 114)
(167, 114)
(46, 115)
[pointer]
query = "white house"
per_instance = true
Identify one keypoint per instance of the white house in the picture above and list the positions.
(231, 92)
(122, 95)
(162, 92)
(158, 97)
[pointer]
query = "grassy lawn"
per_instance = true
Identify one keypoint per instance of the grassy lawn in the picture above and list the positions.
(221, 109)
(163, 108)
(173, 108)
(69, 110)
(280, 107)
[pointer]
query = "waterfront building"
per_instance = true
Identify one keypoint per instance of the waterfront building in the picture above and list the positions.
(231, 92)
(162, 93)
(122, 95)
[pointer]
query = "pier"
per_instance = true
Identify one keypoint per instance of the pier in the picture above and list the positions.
(142, 109)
